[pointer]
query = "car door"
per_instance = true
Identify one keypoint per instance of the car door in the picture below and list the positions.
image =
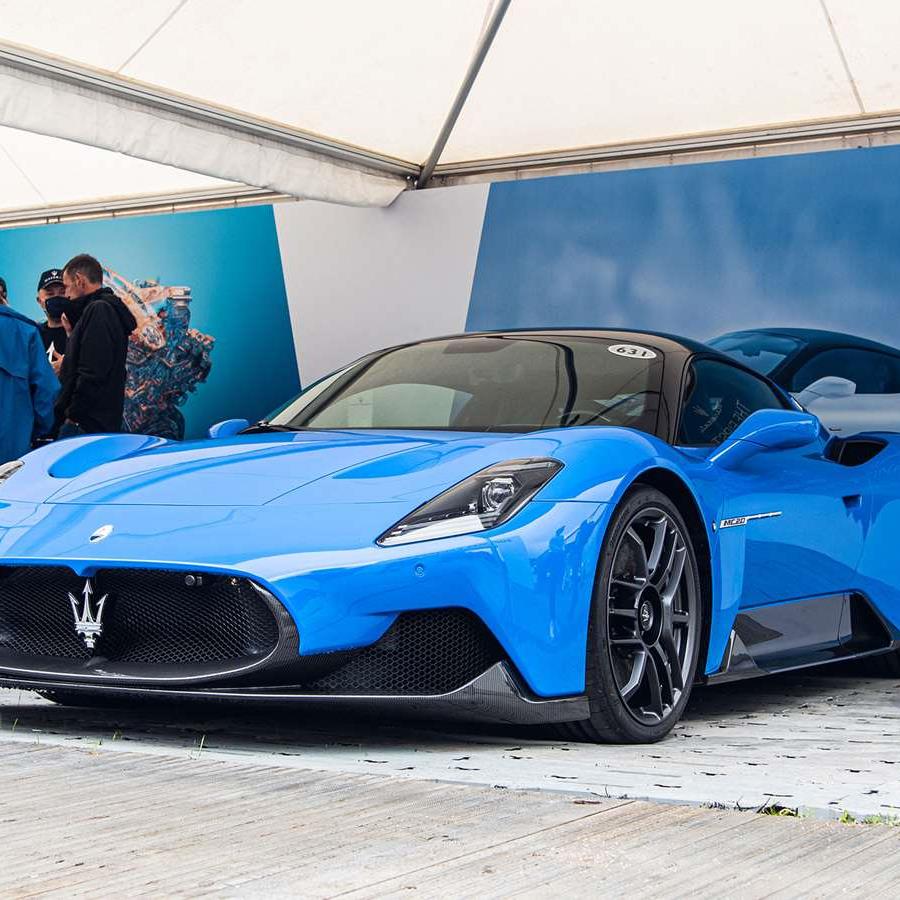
(789, 521)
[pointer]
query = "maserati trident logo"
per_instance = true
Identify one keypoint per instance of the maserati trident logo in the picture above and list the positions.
(646, 616)
(88, 618)
(101, 534)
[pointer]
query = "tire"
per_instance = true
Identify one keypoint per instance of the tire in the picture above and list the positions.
(646, 624)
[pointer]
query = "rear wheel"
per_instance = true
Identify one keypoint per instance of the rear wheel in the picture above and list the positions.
(646, 624)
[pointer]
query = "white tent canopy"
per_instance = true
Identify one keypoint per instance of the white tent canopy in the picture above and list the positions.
(108, 105)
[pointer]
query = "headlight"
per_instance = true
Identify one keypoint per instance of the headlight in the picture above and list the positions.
(7, 470)
(485, 500)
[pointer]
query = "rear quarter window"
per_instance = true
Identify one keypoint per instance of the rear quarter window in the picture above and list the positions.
(717, 398)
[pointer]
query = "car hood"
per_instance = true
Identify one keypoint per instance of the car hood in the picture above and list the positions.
(248, 470)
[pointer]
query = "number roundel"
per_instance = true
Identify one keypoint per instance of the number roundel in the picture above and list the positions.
(632, 350)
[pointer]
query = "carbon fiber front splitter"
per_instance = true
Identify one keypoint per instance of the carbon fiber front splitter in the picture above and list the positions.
(494, 696)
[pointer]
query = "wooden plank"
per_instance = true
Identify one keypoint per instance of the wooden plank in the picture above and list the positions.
(821, 743)
(79, 822)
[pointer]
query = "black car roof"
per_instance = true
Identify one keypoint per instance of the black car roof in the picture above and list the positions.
(665, 343)
(818, 338)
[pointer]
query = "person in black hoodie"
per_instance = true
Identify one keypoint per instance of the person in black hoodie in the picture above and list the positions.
(92, 376)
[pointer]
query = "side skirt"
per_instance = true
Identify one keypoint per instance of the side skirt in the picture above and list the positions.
(780, 637)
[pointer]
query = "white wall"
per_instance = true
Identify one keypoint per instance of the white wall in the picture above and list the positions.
(361, 279)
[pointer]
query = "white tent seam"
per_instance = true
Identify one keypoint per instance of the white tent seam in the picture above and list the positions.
(14, 162)
(147, 40)
(843, 57)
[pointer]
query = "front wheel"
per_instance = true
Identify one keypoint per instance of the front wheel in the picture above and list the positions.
(646, 624)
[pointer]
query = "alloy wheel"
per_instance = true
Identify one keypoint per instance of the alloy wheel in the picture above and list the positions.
(653, 615)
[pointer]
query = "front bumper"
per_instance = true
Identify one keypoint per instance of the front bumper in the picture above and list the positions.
(162, 633)
(529, 582)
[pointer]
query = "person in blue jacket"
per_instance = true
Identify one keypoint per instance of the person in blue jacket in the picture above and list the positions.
(28, 385)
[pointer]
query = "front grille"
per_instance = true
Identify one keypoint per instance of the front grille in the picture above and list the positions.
(35, 614)
(428, 652)
(156, 625)
(151, 617)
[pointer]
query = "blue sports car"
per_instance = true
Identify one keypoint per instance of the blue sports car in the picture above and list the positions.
(563, 526)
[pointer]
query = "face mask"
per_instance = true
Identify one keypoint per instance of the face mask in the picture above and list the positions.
(73, 309)
(56, 306)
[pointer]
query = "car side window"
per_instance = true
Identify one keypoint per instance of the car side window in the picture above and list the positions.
(718, 397)
(872, 372)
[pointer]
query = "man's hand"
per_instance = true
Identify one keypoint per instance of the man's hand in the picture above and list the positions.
(56, 360)
(69, 428)
(66, 324)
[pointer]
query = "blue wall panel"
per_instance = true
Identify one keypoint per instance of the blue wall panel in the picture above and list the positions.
(810, 240)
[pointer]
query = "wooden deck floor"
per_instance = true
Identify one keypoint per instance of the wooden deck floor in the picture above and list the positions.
(822, 744)
(87, 822)
(189, 801)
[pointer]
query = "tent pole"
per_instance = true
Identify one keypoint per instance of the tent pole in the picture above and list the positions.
(481, 51)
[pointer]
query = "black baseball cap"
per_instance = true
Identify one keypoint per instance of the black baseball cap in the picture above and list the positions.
(51, 276)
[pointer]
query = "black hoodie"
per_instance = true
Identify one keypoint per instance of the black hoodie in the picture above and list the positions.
(93, 373)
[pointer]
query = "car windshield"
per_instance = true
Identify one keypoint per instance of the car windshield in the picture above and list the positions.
(758, 350)
(488, 383)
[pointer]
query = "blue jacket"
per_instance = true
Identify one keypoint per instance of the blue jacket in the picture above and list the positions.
(28, 385)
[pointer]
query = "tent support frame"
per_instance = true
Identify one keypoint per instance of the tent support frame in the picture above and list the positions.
(481, 52)
(203, 114)
(149, 204)
(834, 134)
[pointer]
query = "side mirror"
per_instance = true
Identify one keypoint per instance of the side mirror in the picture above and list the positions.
(766, 429)
(228, 428)
(831, 387)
